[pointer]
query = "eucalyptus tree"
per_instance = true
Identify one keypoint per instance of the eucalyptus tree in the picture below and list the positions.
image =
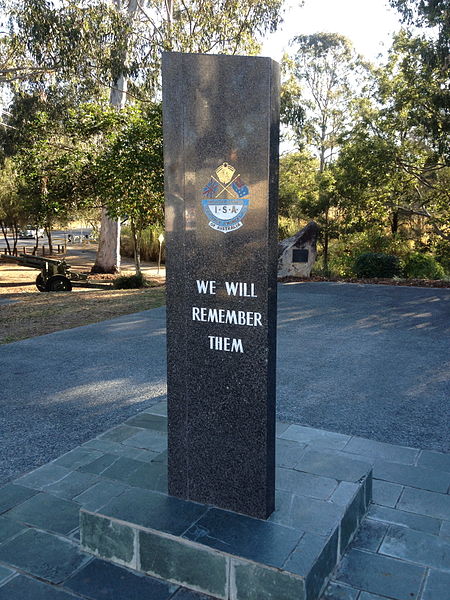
(130, 173)
(393, 167)
(325, 72)
(88, 44)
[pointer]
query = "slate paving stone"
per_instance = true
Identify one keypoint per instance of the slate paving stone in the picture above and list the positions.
(416, 546)
(77, 458)
(306, 514)
(344, 493)
(100, 494)
(254, 582)
(184, 594)
(315, 437)
(380, 575)
(314, 558)
(161, 457)
(366, 596)
(25, 588)
(205, 570)
(45, 475)
(104, 446)
(281, 428)
(158, 409)
(148, 440)
(148, 421)
(385, 493)
(12, 495)
(108, 539)
(119, 433)
(9, 529)
(425, 503)
(99, 465)
(261, 541)
(5, 573)
(332, 465)
(445, 529)
(147, 455)
(43, 555)
(435, 460)
(370, 535)
(101, 580)
(156, 511)
(48, 512)
(149, 476)
(288, 453)
(376, 450)
(121, 468)
(437, 586)
(400, 517)
(424, 478)
(72, 485)
(306, 484)
(337, 591)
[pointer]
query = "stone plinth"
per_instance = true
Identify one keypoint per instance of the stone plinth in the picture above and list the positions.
(297, 254)
(221, 179)
(322, 497)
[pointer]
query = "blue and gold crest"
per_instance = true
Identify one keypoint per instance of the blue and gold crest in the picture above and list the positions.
(226, 199)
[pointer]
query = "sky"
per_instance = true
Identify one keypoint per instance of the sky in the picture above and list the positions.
(367, 23)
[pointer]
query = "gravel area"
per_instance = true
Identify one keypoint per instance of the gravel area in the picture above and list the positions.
(364, 360)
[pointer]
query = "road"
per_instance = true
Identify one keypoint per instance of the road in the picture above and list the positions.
(58, 237)
(357, 359)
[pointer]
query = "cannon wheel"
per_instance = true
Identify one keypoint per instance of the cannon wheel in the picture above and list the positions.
(59, 283)
(41, 283)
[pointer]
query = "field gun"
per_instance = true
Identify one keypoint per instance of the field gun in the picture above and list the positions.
(55, 275)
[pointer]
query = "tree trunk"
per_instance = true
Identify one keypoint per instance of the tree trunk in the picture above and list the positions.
(48, 231)
(6, 237)
(326, 237)
(15, 237)
(394, 222)
(137, 248)
(108, 254)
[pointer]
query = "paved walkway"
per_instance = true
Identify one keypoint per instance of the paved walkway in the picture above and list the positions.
(402, 551)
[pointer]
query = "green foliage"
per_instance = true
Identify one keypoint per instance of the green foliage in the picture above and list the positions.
(131, 282)
(149, 244)
(88, 44)
(423, 266)
(298, 191)
(375, 264)
(131, 170)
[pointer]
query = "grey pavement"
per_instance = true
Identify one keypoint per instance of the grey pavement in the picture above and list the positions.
(365, 360)
(401, 552)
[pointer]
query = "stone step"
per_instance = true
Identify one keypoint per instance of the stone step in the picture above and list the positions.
(231, 556)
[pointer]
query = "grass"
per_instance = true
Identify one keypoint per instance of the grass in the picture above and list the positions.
(34, 314)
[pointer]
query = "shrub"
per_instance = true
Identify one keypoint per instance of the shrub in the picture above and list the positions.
(423, 266)
(131, 282)
(374, 264)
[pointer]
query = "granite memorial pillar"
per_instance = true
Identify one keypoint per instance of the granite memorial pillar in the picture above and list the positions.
(221, 123)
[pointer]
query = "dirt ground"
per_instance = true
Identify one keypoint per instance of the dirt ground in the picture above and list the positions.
(25, 312)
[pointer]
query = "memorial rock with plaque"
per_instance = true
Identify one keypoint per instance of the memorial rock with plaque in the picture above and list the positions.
(221, 124)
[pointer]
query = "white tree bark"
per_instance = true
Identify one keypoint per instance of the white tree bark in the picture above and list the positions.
(108, 254)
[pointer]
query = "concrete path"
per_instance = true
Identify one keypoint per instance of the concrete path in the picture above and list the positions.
(360, 360)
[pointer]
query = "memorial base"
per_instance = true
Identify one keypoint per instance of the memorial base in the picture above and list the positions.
(231, 556)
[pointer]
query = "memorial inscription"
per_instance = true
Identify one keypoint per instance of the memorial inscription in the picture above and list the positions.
(221, 161)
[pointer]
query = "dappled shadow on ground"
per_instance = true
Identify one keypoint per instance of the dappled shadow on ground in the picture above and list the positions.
(366, 363)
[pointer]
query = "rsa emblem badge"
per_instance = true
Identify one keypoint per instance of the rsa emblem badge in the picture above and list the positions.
(225, 199)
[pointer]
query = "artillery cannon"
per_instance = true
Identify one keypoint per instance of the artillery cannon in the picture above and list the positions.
(55, 275)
